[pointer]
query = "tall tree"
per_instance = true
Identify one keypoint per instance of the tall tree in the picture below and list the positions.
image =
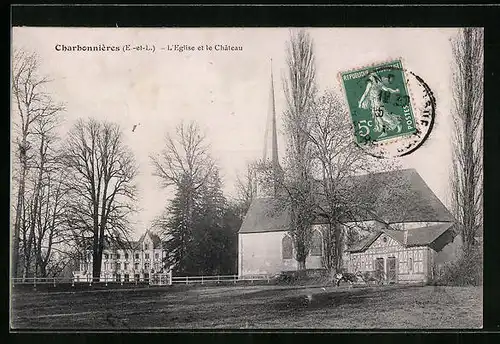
(45, 204)
(101, 186)
(185, 164)
(31, 102)
(300, 90)
(336, 162)
(467, 175)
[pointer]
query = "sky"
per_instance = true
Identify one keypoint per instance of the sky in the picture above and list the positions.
(225, 92)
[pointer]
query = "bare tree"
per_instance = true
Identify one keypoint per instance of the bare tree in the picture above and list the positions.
(31, 103)
(337, 161)
(300, 89)
(184, 163)
(101, 186)
(45, 197)
(246, 186)
(467, 175)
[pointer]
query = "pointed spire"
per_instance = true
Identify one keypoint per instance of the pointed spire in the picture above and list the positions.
(271, 137)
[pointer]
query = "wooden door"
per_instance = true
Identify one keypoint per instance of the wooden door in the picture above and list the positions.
(379, 269)
(391, 270)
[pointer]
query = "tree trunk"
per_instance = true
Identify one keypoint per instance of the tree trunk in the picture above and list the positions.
(19, 210)
(301, 265)
(338, 247)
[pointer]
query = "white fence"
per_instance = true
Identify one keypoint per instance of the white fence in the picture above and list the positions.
(218, 279)
(155, 280)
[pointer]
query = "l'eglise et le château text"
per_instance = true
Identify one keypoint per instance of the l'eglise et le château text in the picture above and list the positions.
(216, 47)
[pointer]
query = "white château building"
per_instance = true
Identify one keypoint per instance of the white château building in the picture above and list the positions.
(119, 264)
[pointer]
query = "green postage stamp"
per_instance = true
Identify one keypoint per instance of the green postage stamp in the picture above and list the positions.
(379, 102)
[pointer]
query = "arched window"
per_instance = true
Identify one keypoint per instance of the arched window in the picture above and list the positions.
(316, 244)
(287, 247)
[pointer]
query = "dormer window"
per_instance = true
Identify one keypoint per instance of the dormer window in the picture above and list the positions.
(146, 246)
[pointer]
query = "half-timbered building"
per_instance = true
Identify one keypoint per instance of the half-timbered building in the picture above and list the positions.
(411, 255)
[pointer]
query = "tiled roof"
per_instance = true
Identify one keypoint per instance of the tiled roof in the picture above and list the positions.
(155, 239)
(422, 236)
(125, 244)
(394, 197)
(265, 215)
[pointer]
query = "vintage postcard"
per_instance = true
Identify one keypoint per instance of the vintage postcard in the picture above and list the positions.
(246, 178)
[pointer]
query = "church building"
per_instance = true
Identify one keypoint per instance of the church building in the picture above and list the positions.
(405, 243)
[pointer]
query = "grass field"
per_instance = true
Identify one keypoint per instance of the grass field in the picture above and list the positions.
(262, 306)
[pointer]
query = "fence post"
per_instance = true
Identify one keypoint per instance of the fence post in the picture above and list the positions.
(90, 279)
(267, 278)
(34, 281)
(54, 282)
(218, 279)
(201, 279)
(170, 278)
(73, 281)
(234, 279)
(186, 280)
(106, 280)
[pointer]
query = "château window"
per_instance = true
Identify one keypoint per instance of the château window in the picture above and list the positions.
(105, 256)
(136, 266)
(117, 266)
(137, 256)
(145, 246)
(146, 256)
(287, 247)
(316, 244)
(125, 266)
(126, 255)
(147, 266)
(157, 255)
(117, 256)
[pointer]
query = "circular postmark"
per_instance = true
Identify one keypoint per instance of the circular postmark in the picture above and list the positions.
(398, 122)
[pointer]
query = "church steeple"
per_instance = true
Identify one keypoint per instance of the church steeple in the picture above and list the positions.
(271, 137)
(270, 155)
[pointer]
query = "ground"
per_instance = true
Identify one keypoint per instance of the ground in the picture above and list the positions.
(258, 306)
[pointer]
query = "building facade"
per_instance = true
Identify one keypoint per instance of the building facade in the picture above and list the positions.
(406, 256)
(127, 264)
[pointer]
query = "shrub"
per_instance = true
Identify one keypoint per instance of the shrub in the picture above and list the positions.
(301, 276)
(467, 270)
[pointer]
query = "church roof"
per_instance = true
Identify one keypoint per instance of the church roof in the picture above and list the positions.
(423, 236)
(265, 215)
(393, 197)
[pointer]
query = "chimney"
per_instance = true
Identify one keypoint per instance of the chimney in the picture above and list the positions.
(405, 237)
